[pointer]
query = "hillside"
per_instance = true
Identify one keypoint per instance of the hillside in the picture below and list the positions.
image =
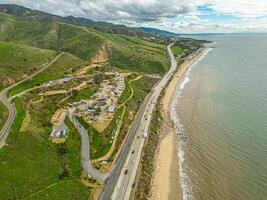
(21, 12)
(18, 60)
(158, 32)
(102, 75)
(128, 53)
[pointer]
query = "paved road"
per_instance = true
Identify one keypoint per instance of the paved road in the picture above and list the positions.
(11, 108)
(85, 152)
(119, 183)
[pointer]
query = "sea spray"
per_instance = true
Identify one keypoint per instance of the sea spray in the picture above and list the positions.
(182, 139)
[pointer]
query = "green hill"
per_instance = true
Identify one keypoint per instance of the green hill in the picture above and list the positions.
(31, 166)
(137, 55)
(129, 53)
(23, 13)
(17, 60)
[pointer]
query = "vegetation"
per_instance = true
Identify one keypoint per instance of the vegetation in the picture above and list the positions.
(130, 53)
(17, 60)
(3, 115)
(69, 190)
(31, 166)
(100, 143)
(27, 14)
(138, 55)
(148, 158)
(79, 41)
(59, 69)
(30, 162)
(177, 50)
(85, 93)
(141, 87)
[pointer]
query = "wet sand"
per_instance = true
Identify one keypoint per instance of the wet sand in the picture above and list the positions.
(166, 185)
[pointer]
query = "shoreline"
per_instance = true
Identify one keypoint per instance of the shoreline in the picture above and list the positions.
(166, 180)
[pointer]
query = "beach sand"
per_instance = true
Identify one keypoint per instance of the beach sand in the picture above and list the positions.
(166, 185)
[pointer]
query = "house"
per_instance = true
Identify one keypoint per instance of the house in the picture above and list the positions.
(111, 108)
(103, 98)
(58, 133)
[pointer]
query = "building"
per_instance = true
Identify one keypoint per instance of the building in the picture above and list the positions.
(111, 108)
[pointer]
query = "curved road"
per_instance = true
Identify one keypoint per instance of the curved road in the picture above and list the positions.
(119, 183)
(11, 108)
(85, 152)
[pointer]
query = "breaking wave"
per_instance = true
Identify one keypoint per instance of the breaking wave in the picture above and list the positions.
(181, 136)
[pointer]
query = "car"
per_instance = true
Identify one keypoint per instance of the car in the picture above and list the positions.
(132, 151)
(126, 171)
(133, 185)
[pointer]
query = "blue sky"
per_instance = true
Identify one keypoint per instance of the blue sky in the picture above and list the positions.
(182, 16)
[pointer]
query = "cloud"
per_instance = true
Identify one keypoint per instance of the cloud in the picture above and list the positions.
(110, 10)
(240, 8)
(162, 13)
(192, 18)
(214, 27)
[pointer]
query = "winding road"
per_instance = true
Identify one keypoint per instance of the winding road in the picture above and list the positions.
(118, 183)
(11, 108)
(85, 151)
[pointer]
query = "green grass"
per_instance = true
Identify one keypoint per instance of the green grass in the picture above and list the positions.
(51, 35)
(141, 88)
(69, 190)
(30, 162)
(100, 143)
(85, 93)
(127, 53)
(17, 60)
(177, 50)
(3, 115)
(57, 70)
(134, 54)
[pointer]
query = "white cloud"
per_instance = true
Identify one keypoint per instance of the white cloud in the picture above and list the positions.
(159, 13)
(111, 10)
(192, 18)
(204, 26)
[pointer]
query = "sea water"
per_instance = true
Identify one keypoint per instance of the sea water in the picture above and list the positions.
(220, 114)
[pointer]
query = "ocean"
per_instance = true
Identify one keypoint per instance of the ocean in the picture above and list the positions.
(220, 113)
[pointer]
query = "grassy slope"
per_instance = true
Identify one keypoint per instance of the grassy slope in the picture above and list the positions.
(69, 190)
(85, 93)
(16, 60)
(30, 162)
(51, 35)
(128, 53)
(100, 142)
(58, 70)
(177, 50)
(137, 55)
(36, 160)
(3, 115)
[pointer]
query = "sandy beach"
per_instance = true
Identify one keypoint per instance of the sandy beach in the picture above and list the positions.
(166, 184)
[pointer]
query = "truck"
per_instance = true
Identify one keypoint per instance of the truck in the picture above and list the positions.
(144, 133)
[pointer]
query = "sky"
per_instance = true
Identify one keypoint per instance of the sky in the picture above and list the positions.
(181, 16)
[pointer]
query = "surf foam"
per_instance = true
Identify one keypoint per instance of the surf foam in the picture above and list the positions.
(181, 136)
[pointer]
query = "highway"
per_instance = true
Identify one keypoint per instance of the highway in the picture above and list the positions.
(11, 108)
(85, 151)
(120, 181)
